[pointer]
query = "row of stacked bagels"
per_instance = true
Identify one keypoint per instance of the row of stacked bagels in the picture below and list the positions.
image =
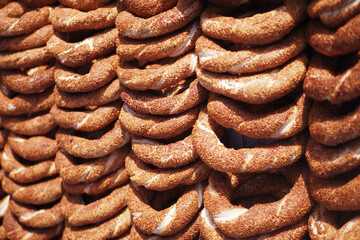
(180, 119)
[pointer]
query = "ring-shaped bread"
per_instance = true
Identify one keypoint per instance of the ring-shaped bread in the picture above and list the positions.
(244, 160)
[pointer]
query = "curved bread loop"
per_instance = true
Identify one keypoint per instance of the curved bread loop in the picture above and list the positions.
(79, 53)
(33, 40)
(25, 104)
(71, 20)
(34, 148)
(170, 45)
(325, 161)
(101, 96)
(103, 184)
(322, 83)
(37, 194)
(164, 179)
(191, 231)
(323, 225)
(102, 145)
(27, 23)
(112, 228)
(22, 173)
(330, 42)
(101, 72)
(84, 5)
(214, 58)
(209, 231)
(86, 120)
(243, 160)
(29, 125)
(162, 155)
(39, 3)
(16, 231)
(340, 193)
(12, 9)
(78, 213)
(37, 218)
(74, 171)
(149, 8)
(165, 104)
(257, 88)
(169, 221)
(158, 127)
(258, 29)
(25, 59)
(330, 126)
(276, 120)
(168, 21)
(34, 80)
(228, 3)
(157, 76)
(239, 221)
(333, 13)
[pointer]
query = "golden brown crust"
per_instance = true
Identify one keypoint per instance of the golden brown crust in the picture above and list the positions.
(168, 21)
(79, 53)
(113, 228)
(25, 59)
(101, 72)
(257, 88)
(84, 5)
(23, 173)
(24, 104)
(35, 39)
(170, 220)
(24, 24)
(259, 29)
(339, 193)
(37, 194)
(78, 213)
(243, 160)
(71, 20)
(74, 171)
(163, 104)
(333, 13)
(170, 45)
(38, 3)
(332, 42)
(103, 184)
(157, 76)
(279, 120)
(29, 125)
(149, 8)
(158, 127)
(37, 218)
(323, 225)
(215, 58)
(101, 146)
(323, 83)
(325, 161)
(86, 120)
(101, 96)
(162, 179)
(239, 221)
(34, 80)
(17, 231)
(228, 3)
(162, 155)
(34, 148)
(329, 126)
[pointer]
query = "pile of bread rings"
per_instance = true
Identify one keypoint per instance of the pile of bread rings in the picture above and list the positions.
(180, 119)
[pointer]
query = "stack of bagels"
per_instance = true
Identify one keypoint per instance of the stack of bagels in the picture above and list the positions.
(180, 119)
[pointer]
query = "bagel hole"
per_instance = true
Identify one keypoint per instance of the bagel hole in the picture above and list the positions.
(346, 62)
(87, 199)
(165, 199)
(232, 139)
(77, 36)
(343, 109)
(343, 217)
(264, 188)
(43, 206)
(176, 138)
(92, 135)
